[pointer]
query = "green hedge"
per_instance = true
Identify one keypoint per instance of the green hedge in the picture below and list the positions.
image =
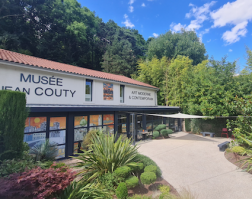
(148, 177)
(155, 134)
(13, 114)
(160, 127)
(147, 161)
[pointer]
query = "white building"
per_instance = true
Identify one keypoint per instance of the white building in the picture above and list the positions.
(72, 100)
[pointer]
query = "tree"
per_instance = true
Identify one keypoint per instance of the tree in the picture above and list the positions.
(119, 57)
(171, 45)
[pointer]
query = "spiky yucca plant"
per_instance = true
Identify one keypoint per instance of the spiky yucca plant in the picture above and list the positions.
(106, 155)
(44, 150)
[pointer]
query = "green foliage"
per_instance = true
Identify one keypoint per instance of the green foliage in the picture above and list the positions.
(148, 177)
(138, 167)
(166, 132)
(239, 150)
(44, 151)
(122, 172)
(171, 45)
(188, 125)
(119, 57)
(82, 190)
(242, 125)
(8, 167)
(155, 134)
(132, 181)
(122, 191)
(13, 114)
(109, 181)
(45, 164)
(160, 127)
(169, 131)
(87, 139)
(147, 161)
(165, 190)
(151, 168)
(106, 155)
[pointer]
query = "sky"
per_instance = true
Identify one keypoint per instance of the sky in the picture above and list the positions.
(224, 26)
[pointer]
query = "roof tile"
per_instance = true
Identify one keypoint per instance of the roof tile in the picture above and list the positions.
(44, 63)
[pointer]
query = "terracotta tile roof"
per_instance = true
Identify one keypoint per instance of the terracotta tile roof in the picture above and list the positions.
(44, 63)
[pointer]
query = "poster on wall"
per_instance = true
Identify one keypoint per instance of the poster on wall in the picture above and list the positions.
(95, 120)
(57, 123)
(80, 121)
(108, 119)
(107, 91)
(35, 124)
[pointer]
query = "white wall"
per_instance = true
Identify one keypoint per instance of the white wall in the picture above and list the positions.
(69, 88)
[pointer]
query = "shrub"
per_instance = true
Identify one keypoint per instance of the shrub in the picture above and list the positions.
(155, 134)
(137, 167)
(122, 171)
(45, 164)
(109, 181)
(146, 162)
(13, 114)
(160, 127)
(187, 125)
(132, 182)
(164, 191)
(121, 191)
(239, 150)
(44, 151)
(36, 183)
(87, 141)
(8, 167)
(106, 155)
(151, 168)
(164, 132)
(82, 190)
(148, 177)
(169, 131)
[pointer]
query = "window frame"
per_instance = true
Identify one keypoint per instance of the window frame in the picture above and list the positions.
(91, 90)
(123, 93)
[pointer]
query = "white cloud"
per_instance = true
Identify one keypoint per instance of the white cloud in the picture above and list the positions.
(200, 14)
(234, 35)
(131, 8)
(177, 27)
(127, 22)
(208, 40)
(131, 2)
(230, 50)
(155, 35)
(232, 13)
(143, 5)
(237, 13)
(203, 32)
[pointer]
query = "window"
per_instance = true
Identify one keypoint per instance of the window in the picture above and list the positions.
(88, 95)
(121, 94)
(80, 131)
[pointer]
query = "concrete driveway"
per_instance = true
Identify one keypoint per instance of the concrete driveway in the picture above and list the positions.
(195, 162)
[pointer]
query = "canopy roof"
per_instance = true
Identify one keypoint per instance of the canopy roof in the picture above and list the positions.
(181, 115)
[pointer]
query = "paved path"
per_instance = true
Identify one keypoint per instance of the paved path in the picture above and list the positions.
(195, 162)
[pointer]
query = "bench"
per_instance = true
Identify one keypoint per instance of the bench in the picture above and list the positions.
(223, 146)
(207, 133)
